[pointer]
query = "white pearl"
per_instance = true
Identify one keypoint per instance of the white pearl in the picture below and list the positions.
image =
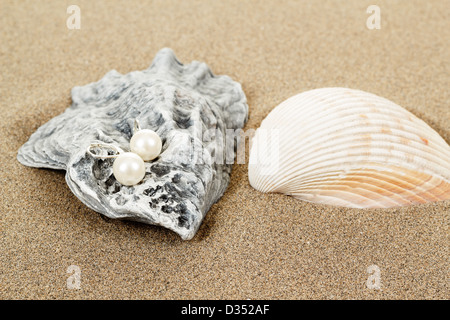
(129, 168)
(146, 143)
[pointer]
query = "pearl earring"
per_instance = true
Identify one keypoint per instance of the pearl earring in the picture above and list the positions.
(129, 167)
(145, 142)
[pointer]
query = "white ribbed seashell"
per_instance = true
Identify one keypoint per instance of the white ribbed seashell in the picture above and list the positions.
(349, 148)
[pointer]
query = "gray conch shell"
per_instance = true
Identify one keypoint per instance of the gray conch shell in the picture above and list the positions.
(189, 108)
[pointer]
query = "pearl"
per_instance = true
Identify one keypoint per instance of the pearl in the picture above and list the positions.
(129, 169)
(146, 143)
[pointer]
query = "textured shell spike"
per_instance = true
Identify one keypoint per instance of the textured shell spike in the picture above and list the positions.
(349, 148)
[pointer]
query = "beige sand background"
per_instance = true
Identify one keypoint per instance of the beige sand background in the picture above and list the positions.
(250, 245)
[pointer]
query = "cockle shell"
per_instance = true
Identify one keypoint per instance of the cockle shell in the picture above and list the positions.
(349, 148)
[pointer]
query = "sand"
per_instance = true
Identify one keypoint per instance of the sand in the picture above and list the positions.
(250, 245)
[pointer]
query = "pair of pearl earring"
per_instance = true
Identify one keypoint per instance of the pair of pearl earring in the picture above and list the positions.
(129, 167)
